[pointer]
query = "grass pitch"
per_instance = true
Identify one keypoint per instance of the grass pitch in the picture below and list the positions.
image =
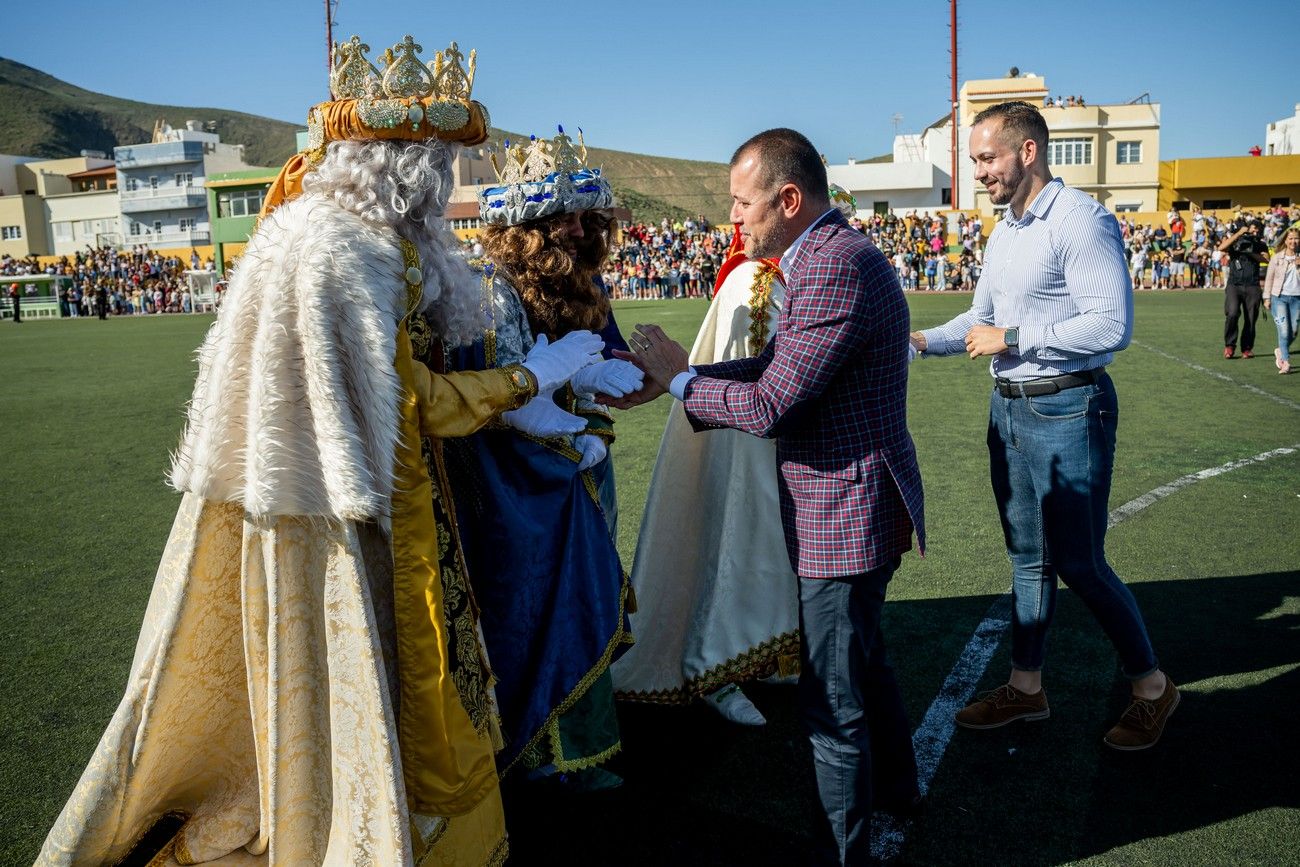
(89, 411)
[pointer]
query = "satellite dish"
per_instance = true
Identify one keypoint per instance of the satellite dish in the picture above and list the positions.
(1015, 72)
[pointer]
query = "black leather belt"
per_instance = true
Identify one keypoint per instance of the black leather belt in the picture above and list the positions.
(1047, 385)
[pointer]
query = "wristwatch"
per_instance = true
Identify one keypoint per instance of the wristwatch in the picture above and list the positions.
(1011, 337)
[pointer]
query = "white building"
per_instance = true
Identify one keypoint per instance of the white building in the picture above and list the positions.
(1283, 136)
(160, 185)
(82, 210)
(912, 178)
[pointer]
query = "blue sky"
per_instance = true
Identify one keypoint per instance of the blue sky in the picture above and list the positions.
(693, 79)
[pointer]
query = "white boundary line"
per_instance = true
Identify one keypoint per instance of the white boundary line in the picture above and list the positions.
(931, 738)
(1276, 398)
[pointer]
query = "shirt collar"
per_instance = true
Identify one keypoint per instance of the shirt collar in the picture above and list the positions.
(787, 258)
(1039, 206)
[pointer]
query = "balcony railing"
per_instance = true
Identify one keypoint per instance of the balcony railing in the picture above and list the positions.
(163, 199)
(173, 237)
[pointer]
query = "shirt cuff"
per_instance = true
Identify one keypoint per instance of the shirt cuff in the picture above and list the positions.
(677, 388)
(935, 342)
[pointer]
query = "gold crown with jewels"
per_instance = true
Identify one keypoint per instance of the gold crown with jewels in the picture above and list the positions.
(406, 90)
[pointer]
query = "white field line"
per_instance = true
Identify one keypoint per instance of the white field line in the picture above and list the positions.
(1276, 398)
(931, 738)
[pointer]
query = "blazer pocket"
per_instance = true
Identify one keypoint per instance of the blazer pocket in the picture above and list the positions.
(843, 469)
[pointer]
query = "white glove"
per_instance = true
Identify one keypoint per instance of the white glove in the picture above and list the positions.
(615, 378)
(555, 363)
(542, 418)
(592, 448)
(912, 354)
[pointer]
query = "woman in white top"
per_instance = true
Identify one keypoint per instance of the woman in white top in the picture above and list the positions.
(1282, 295)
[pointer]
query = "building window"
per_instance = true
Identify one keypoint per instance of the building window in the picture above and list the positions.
(132, 184)
(184, 179)
(1128, 153)
(467, 223)
(1131, 208)
(1070, 152)
(1280, 202)
(945, 196)
(1181, 205)
(1216, 204)
(239, 203)
(153, 182)
(11, 233)
(880, 209)
(62, 231)
(133, 228)
(157, 227)
(187, 224)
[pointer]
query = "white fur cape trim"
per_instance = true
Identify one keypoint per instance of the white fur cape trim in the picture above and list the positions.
(295, 410)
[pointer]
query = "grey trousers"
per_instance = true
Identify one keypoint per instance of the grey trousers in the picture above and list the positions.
(852, 707)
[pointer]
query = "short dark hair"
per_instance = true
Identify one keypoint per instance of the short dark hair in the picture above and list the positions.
(1019, 119)
(786, 157)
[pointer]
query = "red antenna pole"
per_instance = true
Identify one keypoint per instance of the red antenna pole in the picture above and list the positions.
(952, 6)
(329, 35)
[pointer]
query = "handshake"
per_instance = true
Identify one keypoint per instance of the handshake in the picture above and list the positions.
(574, 359)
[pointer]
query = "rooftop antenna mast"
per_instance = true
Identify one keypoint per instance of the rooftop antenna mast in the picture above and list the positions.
(896, 120)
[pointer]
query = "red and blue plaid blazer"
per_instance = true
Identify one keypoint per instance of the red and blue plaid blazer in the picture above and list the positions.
(831, 386)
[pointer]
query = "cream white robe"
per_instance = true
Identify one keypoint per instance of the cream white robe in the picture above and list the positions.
(717, 601)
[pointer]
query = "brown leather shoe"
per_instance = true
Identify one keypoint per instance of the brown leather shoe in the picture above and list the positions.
(1143, 722)
(1001, 706)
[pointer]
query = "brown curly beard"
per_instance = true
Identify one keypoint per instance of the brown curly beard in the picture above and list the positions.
(558, 288)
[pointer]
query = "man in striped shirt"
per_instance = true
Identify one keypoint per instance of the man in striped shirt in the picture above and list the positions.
(1053, 304)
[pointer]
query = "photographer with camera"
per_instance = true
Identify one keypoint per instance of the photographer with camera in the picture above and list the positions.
(1245, 250)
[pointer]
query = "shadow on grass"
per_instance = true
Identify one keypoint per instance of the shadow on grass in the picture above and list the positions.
(701, 791)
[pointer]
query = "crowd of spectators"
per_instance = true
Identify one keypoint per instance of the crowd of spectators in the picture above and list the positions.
(917, 246)
(130, 281)
(1184, 253)
(669, 260)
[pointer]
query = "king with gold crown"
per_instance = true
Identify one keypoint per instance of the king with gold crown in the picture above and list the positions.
(310, 685)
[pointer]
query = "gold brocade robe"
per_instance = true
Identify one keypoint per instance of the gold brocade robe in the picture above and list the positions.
(302, 690)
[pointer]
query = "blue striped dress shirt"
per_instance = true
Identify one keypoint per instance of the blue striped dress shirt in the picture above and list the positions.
(1060, 275)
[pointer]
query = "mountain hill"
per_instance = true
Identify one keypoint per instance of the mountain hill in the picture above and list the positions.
(49, 118)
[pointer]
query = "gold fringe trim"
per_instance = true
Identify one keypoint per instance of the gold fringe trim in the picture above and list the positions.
(565, 766)
(620, 636)
(758, 662)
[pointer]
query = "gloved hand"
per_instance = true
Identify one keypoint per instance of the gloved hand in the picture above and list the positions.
(615, 378)
(912, 353)
(542, 418)
(592, 448)
(555, 363)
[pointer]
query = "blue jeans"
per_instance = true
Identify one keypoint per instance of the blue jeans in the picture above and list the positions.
(1050, 460)
(1286, 316)
(853, 711)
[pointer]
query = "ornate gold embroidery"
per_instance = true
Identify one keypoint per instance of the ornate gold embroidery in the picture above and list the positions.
(769, 658)
(468, 668)
(760, 299)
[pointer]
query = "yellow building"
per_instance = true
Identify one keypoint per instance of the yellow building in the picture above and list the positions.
(1111, 151)
(1253, 183)
(25, 185)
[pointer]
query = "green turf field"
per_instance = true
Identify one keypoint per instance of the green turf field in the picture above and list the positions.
(90, 410)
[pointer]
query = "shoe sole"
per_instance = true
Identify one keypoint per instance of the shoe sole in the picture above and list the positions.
(1031, 716)
(1178, 698)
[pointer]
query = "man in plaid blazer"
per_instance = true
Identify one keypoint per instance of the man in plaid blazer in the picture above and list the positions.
(831, 386)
